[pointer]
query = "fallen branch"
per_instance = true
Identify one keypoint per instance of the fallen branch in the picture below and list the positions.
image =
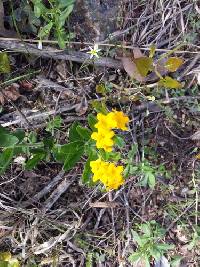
(46, 52)
(40, 116)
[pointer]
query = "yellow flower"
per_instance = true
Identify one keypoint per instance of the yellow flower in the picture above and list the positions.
(120, 119)
(105, 121)
(109, 174)
(104, 139)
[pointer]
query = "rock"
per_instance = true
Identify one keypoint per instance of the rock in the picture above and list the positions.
(94, 20)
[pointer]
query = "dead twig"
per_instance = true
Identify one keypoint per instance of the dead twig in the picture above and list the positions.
(60, 54)
(55, 195)
(45, 190)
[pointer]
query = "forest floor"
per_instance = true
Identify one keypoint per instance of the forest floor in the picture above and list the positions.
(48, 216)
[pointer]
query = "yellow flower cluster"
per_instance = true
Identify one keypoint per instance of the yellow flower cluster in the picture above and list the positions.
(109, 174)
(105, 124)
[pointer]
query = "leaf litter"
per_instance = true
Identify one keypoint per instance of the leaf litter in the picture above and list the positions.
(73, 216)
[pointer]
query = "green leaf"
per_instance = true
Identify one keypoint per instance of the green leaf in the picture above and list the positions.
(144, 65)
(119, 141)
(55, 123)
(136, 237)
(3, 263)
(176, 260)
(168, 82)
(73, 134)
(64, 15)
(151, 179)
(155, 253)
(5, 159)
(152, 51)
(4, 63)
(3, 130)
(70, 153)
(13, 263)
(20, 134)
(132, 152)
(89, 260)
(173, 63)
(87, 173)
(8, 140)
(45, 31)
(146, 229)
(84, 132)
(72, 157)
(33, 162)
(48, 142)
(99, 106)
(101, 89)
(164, 247)
(5, 256)
(39, 8)
(92, 120)
(61, 38)
(134, 257)
(64, 3)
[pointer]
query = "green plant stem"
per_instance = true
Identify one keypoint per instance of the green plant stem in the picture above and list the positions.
(19, 78)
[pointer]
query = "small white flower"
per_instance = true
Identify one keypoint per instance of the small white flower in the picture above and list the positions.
(94, 51)
(19, 160)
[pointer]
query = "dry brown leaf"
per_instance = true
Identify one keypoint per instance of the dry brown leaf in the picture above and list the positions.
(82, 107)
(196, 136)
(137, 53)
(26, 85)
(131, 68)
(9, 93)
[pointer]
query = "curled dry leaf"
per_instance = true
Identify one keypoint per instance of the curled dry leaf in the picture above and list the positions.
(26, 85)
(131, 69)
(137, 53)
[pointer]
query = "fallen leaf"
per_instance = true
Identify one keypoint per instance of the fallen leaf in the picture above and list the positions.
(173, 63)
(26, 85)
(196, 136)
(197, 156)
(137, 53)
(168, 82)
(131, 69)
(82, 107)
(144, 65)
(9, 93)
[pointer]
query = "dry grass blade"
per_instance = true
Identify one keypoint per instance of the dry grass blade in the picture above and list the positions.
(100, 204)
